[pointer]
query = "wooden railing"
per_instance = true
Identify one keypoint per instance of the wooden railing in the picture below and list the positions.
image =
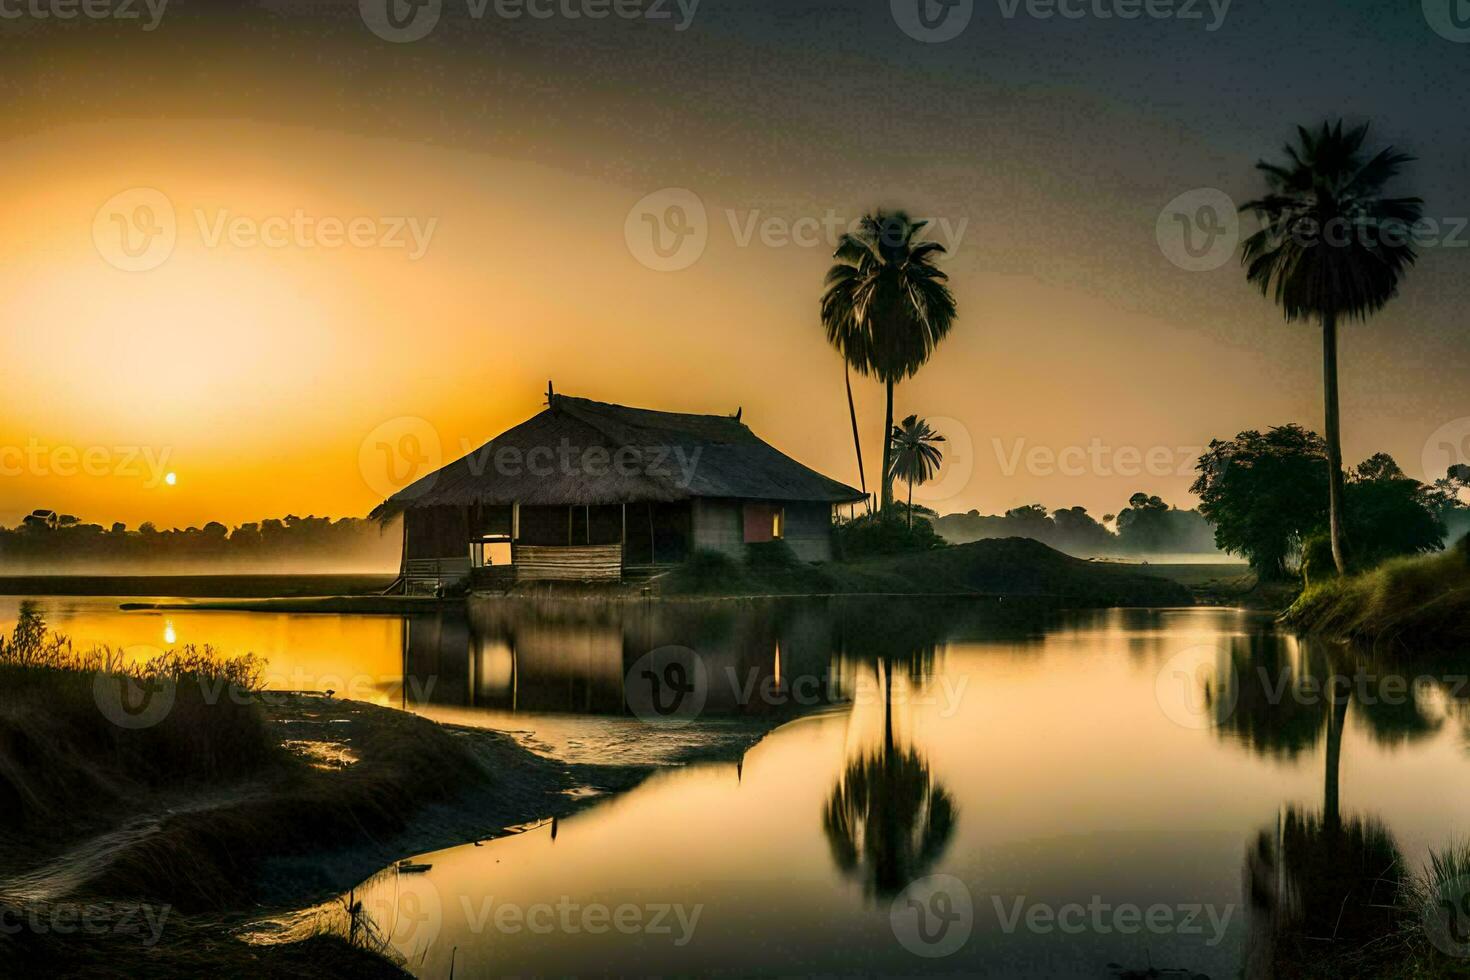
(575, 563)
(433, 574)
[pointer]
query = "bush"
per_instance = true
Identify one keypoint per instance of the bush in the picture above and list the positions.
(1318, 565)
(771, 554)
(871, 536)
(708, 571)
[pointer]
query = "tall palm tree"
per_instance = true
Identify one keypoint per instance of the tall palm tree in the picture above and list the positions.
(916, 457)
(886, 308)
(1332, 245)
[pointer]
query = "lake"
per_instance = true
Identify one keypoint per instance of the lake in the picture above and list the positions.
(988, 788)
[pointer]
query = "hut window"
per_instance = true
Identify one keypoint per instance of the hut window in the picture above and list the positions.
(764, 522)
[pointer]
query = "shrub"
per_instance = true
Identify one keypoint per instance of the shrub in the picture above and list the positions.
(771, 554)
(870, 536)
(708, 571)
(1318, 565)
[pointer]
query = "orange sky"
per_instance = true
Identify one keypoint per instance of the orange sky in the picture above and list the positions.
(259, 373)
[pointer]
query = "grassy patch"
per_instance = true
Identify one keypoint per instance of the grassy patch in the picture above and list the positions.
(1421, 602)
(1018, 567)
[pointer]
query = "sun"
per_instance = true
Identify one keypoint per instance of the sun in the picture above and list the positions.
(171, 478)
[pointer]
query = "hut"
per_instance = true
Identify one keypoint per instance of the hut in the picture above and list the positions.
(590, 491)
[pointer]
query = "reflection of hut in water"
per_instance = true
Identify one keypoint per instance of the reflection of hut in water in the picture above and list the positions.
(570, 656)
(587, 491)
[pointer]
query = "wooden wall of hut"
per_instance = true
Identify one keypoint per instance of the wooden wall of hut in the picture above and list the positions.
(437, 532)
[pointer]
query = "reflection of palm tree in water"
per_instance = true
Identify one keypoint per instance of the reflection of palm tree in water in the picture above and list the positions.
(1320, 876)
(887, 821)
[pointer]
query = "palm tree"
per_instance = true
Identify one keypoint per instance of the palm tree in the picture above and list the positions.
(1332, 245)
(916, 458)
(886, 308)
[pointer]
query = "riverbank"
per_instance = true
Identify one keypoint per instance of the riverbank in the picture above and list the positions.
(220, 811)
(1418, 604)
(197, 586)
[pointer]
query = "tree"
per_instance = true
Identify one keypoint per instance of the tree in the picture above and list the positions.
(1263, 493)
(1391, 513)
(916, 455)
(1332, 245)
(886, 308)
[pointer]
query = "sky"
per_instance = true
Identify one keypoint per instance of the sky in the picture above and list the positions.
(294, 253)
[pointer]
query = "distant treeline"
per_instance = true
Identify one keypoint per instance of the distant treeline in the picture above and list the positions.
(1146, 526)
(289, 544)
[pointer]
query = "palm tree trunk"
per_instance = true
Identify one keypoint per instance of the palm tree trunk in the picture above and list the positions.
(887, 504)
(911, 505)
(1331, 804)
(1335, 518)
(857, 443)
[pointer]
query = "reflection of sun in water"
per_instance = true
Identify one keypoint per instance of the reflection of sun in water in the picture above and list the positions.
(169, 636)
(171, 478)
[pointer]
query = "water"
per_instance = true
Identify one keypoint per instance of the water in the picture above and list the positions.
(1028, 792)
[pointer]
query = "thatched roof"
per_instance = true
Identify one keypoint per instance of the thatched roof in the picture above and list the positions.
(584, 452)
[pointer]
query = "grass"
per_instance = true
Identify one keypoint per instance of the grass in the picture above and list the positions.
(1009, 567)
(63, 759)
(208, 790)
(1412, 603)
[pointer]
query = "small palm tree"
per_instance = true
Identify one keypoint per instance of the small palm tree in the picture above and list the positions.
(1332, 245)
(886, 308)
(916, 455)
